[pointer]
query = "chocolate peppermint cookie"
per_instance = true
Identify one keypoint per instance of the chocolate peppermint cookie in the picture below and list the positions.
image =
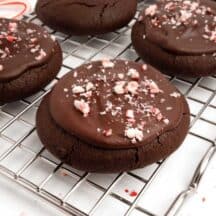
(83, 17)
(29, 59)
(178, 37)
(111, 116)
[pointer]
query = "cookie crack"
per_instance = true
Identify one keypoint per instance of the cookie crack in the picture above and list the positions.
(136, 157)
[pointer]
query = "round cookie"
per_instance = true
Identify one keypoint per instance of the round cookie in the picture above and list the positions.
(85, 17)
(29, 59)
(112, 116)
(178, 37)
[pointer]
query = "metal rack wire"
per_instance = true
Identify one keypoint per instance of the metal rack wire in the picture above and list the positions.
(23, 158)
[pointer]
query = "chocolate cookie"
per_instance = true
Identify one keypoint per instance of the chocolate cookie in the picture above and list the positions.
(111, 116)
(83, 17)
(178, 37)
(29, 59)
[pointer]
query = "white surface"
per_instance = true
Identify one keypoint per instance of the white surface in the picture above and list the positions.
(16, 201)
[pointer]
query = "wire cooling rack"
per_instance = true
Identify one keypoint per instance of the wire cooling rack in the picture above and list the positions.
(143, 192)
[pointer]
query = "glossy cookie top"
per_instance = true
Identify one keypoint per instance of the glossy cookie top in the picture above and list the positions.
(116, 104)
(22, 46)
(181, 26)
(79, 2)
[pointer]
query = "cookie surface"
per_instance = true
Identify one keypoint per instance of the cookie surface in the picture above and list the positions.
(86, 16)
(113, 112)
(29, 59)
(178, 37)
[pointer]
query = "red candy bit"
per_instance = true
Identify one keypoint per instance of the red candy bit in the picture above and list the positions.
(133, 193)
(63, 173)
(11, 38)
(126, 190)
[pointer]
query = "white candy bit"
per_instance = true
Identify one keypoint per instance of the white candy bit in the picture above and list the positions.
(185, 15)
(89, 86)
(1, 67)
(166, 121)
(88, 94)
(134, 133)
(78, 89)
(169, 108)
(82, 106)
(107, 133)
(33, 40)
(89, 67)
(35, 49)
(154, 89)
(144, 67)
(168, 6)
(119, 87)
(53, 37)
(151, 10)
(66, 90)
(175, 94)
(107, 64)
(13, 26)
(130, 114)
(30, 31)
(75, 74)
(41, 55)
(132, 87)
(134, 74)
(121, 76)
(162, 100)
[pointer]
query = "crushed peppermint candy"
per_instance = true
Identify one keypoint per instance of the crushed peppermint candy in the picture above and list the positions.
(166, 121)
(151, 10)
(41, 55)
(134, 134)
(17, 40)
(132, 87)
(134, 74)
(175, 94)
(107, 133)
(78, 89)
(144, 67)
(119, 87)
(130, 114)
(118, 97)
(183, 13)
(89, 86)
(1, 67)
(82, 106)
(108, 64)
